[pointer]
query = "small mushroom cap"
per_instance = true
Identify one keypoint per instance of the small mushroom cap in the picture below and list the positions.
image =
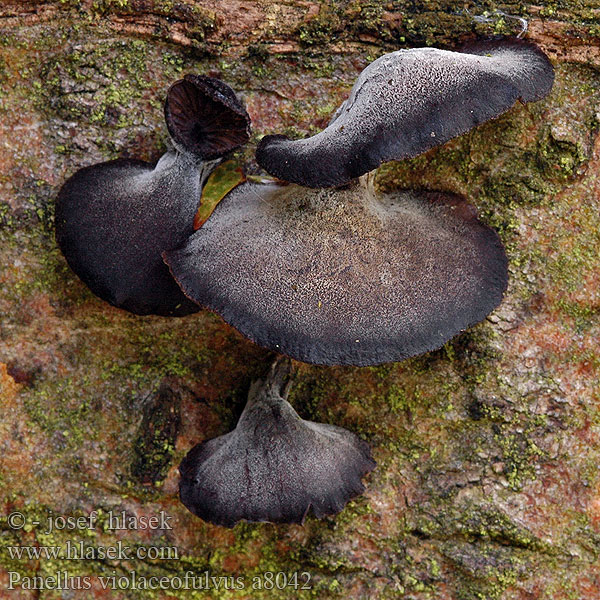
(274, 466)
(205, 118)
(342, 276)
(114, 219)
(407, 102)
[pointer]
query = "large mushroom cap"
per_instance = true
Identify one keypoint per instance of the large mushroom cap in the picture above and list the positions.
(205, 118)
(407, 102)
(113, 220)
(274, 466)
(343, 277)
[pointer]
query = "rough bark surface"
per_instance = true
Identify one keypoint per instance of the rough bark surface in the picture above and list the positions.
(487, 484)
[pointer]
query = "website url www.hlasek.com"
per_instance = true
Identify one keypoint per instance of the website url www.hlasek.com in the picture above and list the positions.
(79, 551)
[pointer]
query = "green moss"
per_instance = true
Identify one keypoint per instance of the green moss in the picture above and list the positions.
(173, 61)
(520, 454)
(3, 69)
(338, 21)
(258, 57)
(324, 27)
(568, 267)
(558, 159)
(6, 216)
(488, 551)
(45, 266)
(584, 315)
(69, 416)
(204, 22)
(319, 65)
(104, 6)
(110, 77)
(367, 18)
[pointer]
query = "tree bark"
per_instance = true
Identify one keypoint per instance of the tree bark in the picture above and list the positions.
(487, 482)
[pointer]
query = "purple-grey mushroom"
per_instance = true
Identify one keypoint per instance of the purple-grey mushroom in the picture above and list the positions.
(114, 219)
(324, 274)
(407, 102)
(343, 276)
(350, 276)
(274, 466)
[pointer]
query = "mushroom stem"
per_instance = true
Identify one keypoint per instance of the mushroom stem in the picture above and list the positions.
(173, 161)
(277, 384)
(274, 466)
(367, 182)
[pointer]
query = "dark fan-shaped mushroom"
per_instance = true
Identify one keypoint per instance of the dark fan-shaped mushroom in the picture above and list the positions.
(347, 276)
(343, 276)
(274, 466)
(327, 276)
(114, 219)
(407, 102)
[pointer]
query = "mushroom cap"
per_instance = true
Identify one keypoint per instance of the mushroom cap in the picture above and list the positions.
(114, 219)
(407, 102)
(205, 118)
(342, 276)
(274, 466)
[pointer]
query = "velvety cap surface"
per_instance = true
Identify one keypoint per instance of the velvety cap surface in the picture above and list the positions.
(114, 219)
(341, 277)
(274, 466)
(407, 102)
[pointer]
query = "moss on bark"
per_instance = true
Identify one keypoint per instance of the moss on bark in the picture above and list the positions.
(487, 484)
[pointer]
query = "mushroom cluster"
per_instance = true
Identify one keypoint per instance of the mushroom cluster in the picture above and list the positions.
(315, 264)
(114, 219)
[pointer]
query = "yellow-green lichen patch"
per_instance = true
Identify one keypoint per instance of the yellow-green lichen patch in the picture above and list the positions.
(97, 84)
